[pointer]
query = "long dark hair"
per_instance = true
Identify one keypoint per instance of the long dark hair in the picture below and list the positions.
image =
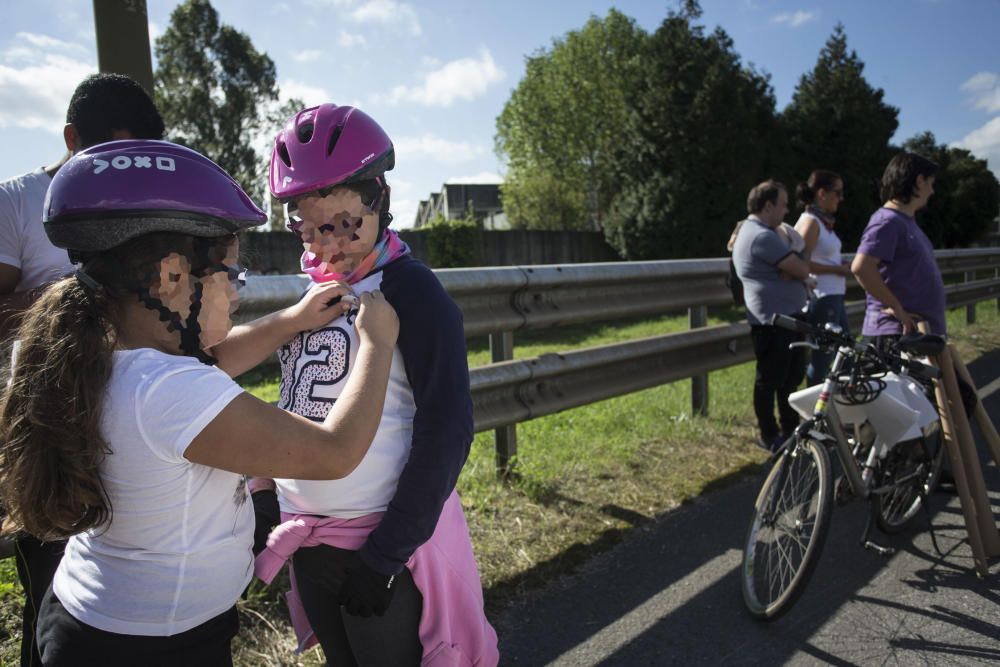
(820, 179)
(51, 446)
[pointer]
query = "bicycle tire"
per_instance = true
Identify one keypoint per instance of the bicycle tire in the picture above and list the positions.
(898, 509)
(781, 549)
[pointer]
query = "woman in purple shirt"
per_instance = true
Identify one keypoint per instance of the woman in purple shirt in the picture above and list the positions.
(895, 259)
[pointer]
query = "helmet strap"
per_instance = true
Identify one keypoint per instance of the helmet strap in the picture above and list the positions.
(188, 328)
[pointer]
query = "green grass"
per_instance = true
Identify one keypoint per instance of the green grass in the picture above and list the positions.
(585, 477)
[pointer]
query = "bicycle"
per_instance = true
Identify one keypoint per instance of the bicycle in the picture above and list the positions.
(892, 458)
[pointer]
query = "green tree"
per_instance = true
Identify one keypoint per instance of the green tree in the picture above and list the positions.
(966, 194)
(698, 134)
(535, 199)
(559, 129)
(217, 93)
(452, 243)
(837, 120)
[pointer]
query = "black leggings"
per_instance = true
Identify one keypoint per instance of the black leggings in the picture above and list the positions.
(36, 565)
(392, 639)
(65, 641)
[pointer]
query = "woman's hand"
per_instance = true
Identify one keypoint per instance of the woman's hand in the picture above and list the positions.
(377, 321)
(316, 309)
(906, 319)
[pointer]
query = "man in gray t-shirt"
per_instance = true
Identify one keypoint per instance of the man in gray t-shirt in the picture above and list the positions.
(772, 277)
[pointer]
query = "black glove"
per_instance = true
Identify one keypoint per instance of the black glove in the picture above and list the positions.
(365, 591)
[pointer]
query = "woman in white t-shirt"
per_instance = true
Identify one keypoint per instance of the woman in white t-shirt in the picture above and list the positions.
(122, 428)
(819, 197)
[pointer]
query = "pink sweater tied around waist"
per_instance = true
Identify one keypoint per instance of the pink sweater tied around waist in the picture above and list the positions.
(453, 629)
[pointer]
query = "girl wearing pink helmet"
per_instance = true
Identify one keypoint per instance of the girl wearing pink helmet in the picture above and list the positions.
(122, 428)
(382, 563)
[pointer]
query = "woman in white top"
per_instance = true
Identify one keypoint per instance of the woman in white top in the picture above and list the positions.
(820, 197)
(122, 427)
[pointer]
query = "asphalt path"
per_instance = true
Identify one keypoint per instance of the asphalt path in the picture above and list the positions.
(670, 593)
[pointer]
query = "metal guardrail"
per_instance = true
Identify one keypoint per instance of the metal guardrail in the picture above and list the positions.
(499, 301)
(517, 298)
(495, 299)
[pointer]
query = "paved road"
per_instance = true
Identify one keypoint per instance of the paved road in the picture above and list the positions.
(669, 594)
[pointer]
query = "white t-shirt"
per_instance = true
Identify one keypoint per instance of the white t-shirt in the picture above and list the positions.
(315, 366)
(23, 242)
(178, 550)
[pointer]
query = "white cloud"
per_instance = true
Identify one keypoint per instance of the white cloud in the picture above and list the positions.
(794, 19)
(404, 212)
(388, 12)
(37, 77)
(484, 178)
(466, 79)
(435, 148)
(984, 143)
(308, 56)
(348, 40)
(49, 43)
(155, 31)
(983, 90)
(311, 95)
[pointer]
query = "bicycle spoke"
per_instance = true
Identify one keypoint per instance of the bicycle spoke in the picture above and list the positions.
(781, 538)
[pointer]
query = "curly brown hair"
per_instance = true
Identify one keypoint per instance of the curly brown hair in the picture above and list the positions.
(51, 446)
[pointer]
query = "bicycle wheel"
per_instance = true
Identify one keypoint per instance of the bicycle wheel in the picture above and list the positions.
(786, 535)
(898, 507)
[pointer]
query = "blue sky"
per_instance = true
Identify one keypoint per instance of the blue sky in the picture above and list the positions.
(436, 73)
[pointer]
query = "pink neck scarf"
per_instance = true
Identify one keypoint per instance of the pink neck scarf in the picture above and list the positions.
(390, 248)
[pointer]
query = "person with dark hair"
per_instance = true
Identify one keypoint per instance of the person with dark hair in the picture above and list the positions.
(381, 561)
(819, 198)
(895, 260)
(122, 428)
(103, 107)
(773, 278)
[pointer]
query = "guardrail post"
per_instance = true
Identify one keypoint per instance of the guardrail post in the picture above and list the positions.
(698, 317)
(505, 437)
(970, 310)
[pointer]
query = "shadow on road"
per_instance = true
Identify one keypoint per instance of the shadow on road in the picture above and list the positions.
(669, 594)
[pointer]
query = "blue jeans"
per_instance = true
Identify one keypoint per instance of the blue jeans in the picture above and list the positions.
(829, 308)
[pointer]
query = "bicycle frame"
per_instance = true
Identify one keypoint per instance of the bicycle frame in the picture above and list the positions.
(826, 411)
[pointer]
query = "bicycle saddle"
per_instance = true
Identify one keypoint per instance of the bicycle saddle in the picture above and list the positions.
(923, 345)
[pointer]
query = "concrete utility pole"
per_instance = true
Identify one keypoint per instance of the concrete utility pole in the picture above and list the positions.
(123, 40)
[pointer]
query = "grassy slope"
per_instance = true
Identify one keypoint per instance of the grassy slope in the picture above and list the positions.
(585, 477)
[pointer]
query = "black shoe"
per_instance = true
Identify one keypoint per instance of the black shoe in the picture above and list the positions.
(770, 445)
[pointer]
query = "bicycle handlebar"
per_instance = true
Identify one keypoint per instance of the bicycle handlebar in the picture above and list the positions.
(820, 335)
(887, 358)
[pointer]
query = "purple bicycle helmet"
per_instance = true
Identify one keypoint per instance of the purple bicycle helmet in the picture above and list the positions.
(116, 191)
(325, 146)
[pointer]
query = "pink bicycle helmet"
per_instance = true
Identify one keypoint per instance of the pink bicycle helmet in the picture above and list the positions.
(328, 145)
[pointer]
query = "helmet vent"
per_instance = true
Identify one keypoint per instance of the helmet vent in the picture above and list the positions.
(283, 154)
(334, 137)
(305, 132)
